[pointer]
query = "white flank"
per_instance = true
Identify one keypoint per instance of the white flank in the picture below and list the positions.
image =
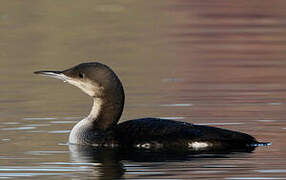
(145, 145)
(198, 145)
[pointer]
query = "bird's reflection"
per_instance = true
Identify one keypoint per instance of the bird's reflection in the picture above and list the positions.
(105, 161)
(108, 161)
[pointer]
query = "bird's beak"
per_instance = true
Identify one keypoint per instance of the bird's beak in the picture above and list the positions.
(54, 74)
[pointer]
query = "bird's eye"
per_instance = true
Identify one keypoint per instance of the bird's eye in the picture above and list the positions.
(81, 75)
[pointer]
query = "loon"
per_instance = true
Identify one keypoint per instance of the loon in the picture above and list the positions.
(101, 129)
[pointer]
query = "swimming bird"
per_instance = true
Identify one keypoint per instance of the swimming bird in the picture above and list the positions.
(101, 128)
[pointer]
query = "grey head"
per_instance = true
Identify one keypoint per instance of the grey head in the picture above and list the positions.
(95, 79)
(100, 82)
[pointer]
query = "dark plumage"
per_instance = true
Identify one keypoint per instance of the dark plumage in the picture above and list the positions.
(100, 128)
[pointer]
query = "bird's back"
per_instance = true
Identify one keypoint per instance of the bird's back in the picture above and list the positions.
(154, 133)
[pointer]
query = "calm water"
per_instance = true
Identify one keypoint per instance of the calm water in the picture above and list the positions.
(214, 62)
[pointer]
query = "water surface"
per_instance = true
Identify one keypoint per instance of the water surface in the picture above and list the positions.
(220, 63)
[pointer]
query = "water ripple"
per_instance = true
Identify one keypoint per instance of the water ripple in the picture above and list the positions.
(252, 178)
(59, 132)
(45, 152)
(271, 171)
(18, 128)
(28, 174)
(234, 123)
(176, 105)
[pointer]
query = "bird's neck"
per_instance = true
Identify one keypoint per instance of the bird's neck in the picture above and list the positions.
(96, 109)
(104, 115)
(106, 112)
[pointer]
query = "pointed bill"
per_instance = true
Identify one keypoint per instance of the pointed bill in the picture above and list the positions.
(86, 86)
(53, 74)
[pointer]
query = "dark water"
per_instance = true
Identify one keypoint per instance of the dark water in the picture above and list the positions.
(215, 62)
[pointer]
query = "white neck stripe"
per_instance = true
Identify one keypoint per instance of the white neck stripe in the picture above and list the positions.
(96, 108)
